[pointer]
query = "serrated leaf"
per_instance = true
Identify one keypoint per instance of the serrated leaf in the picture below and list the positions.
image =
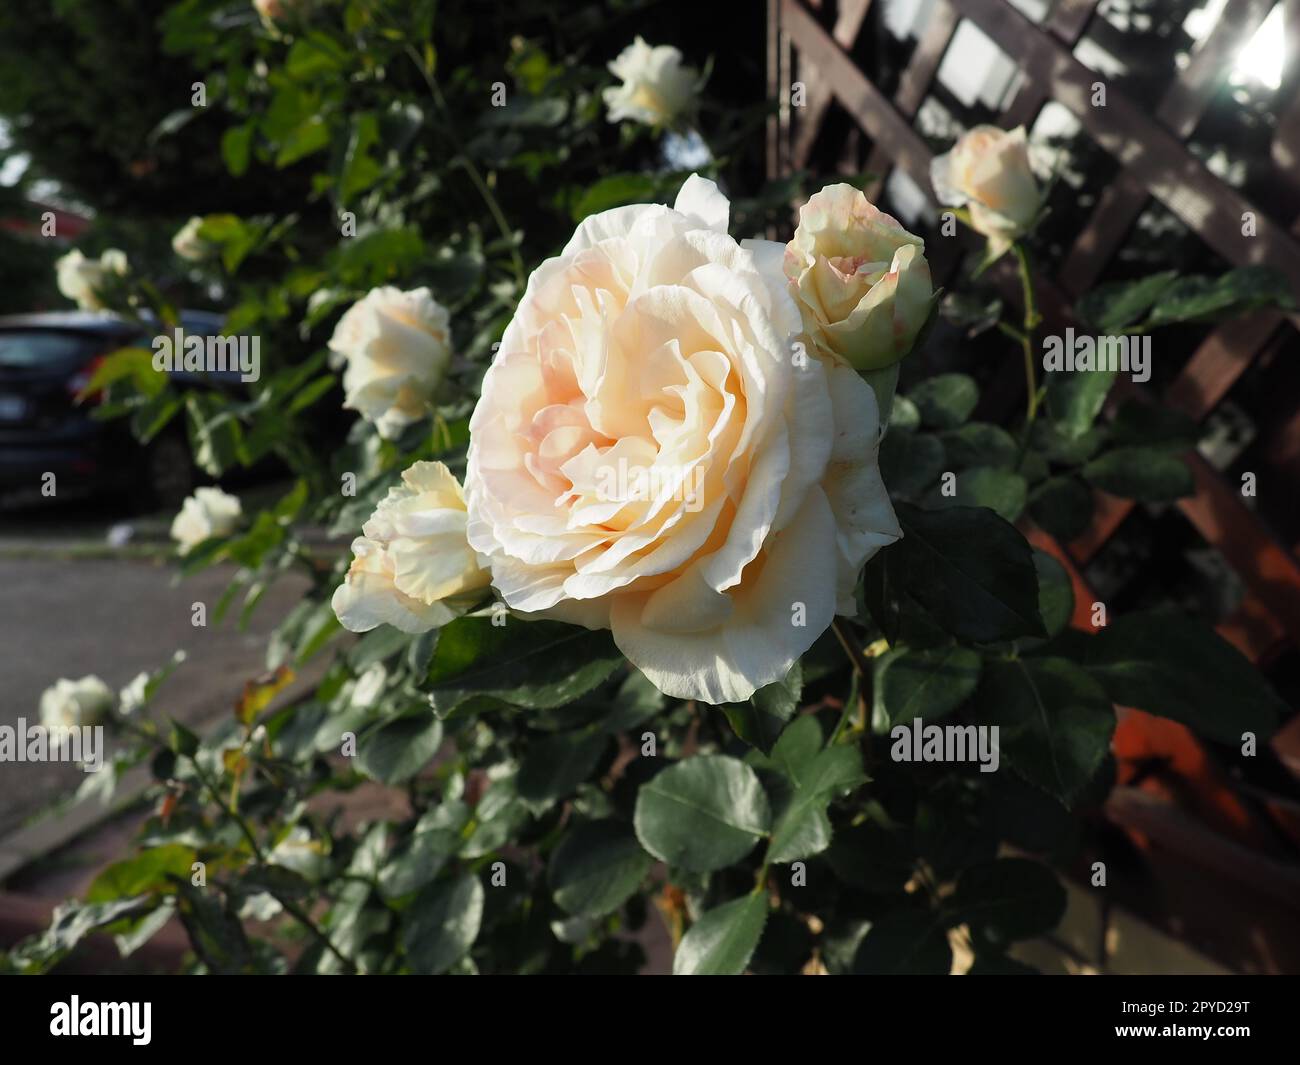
(928, 683)
(972, 571)
(722, 941)
(537, 665)
(1148, 475)
(442, 924)
(703, 813)
(1055, 721)
(396, 750)
(596, 867)
(945, 400)
(1166, 663)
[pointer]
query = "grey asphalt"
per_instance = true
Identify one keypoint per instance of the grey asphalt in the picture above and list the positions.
(65, 614)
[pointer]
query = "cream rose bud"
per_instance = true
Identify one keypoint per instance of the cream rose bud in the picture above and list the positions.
(412, 567)
(74, 703)
(82, 280)
(187, 243)
(988, 170)
(656, 89)
(208, 512)
(396, 346)
(861, 281)
(647, 456)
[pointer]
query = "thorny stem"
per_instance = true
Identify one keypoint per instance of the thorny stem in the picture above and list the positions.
(494, 208)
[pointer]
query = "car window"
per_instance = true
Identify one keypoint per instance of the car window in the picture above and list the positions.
(45, 349)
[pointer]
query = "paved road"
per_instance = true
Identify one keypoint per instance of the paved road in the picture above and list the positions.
(114, 616)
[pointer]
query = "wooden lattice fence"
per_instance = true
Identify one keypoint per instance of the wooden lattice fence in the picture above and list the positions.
(883, 89)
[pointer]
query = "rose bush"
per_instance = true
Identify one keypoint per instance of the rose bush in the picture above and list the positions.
(643, 592)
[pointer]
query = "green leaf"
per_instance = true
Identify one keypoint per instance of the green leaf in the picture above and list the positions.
(1148, 475)
(911, 463)
(1006, 900)
(1002, 491)
(904, 415)
(145, 872)
(972, 571)
(314, 55)
(537, 665)
(1200, 299)
(637, 700)
(71, 922)
(945, 400)
(703, 813)
(417, 862)
(236, 147)
(760, 720)
(928, 684)
(396, 750)
(1167, 663)
(1075, 399)
(1062, 505)
(1140, 424)
(1055, 593)
(722, 941)
(310, 137)
(1055, 721)
(615, 191)
(442, 924)
(360, 169)
(596, 868)
(554, 766)
(812, 776)
(979, 444)
(1110, 307)
(904, 942)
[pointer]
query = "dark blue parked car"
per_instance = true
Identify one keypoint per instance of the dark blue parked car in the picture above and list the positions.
(45, 361)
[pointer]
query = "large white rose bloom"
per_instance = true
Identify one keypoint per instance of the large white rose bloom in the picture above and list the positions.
(412, 567)
(656, 342)
(75, 703)
(656, 89)
(397, 347)
(208, 512)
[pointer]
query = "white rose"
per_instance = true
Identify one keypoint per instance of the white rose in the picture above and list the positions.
(656, 343)
(187, 243)
(988, 170)
(861, 282)
(412, 567)
(397, 347)
(82, 280)
(208, 512)
(74, 703)
(656, 88)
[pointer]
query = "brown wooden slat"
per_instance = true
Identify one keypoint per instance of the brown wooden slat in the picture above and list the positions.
(855, 92)
(1268, 569)
(848, 24)
(1182, 106)
(915, 82)
(1067, 22)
